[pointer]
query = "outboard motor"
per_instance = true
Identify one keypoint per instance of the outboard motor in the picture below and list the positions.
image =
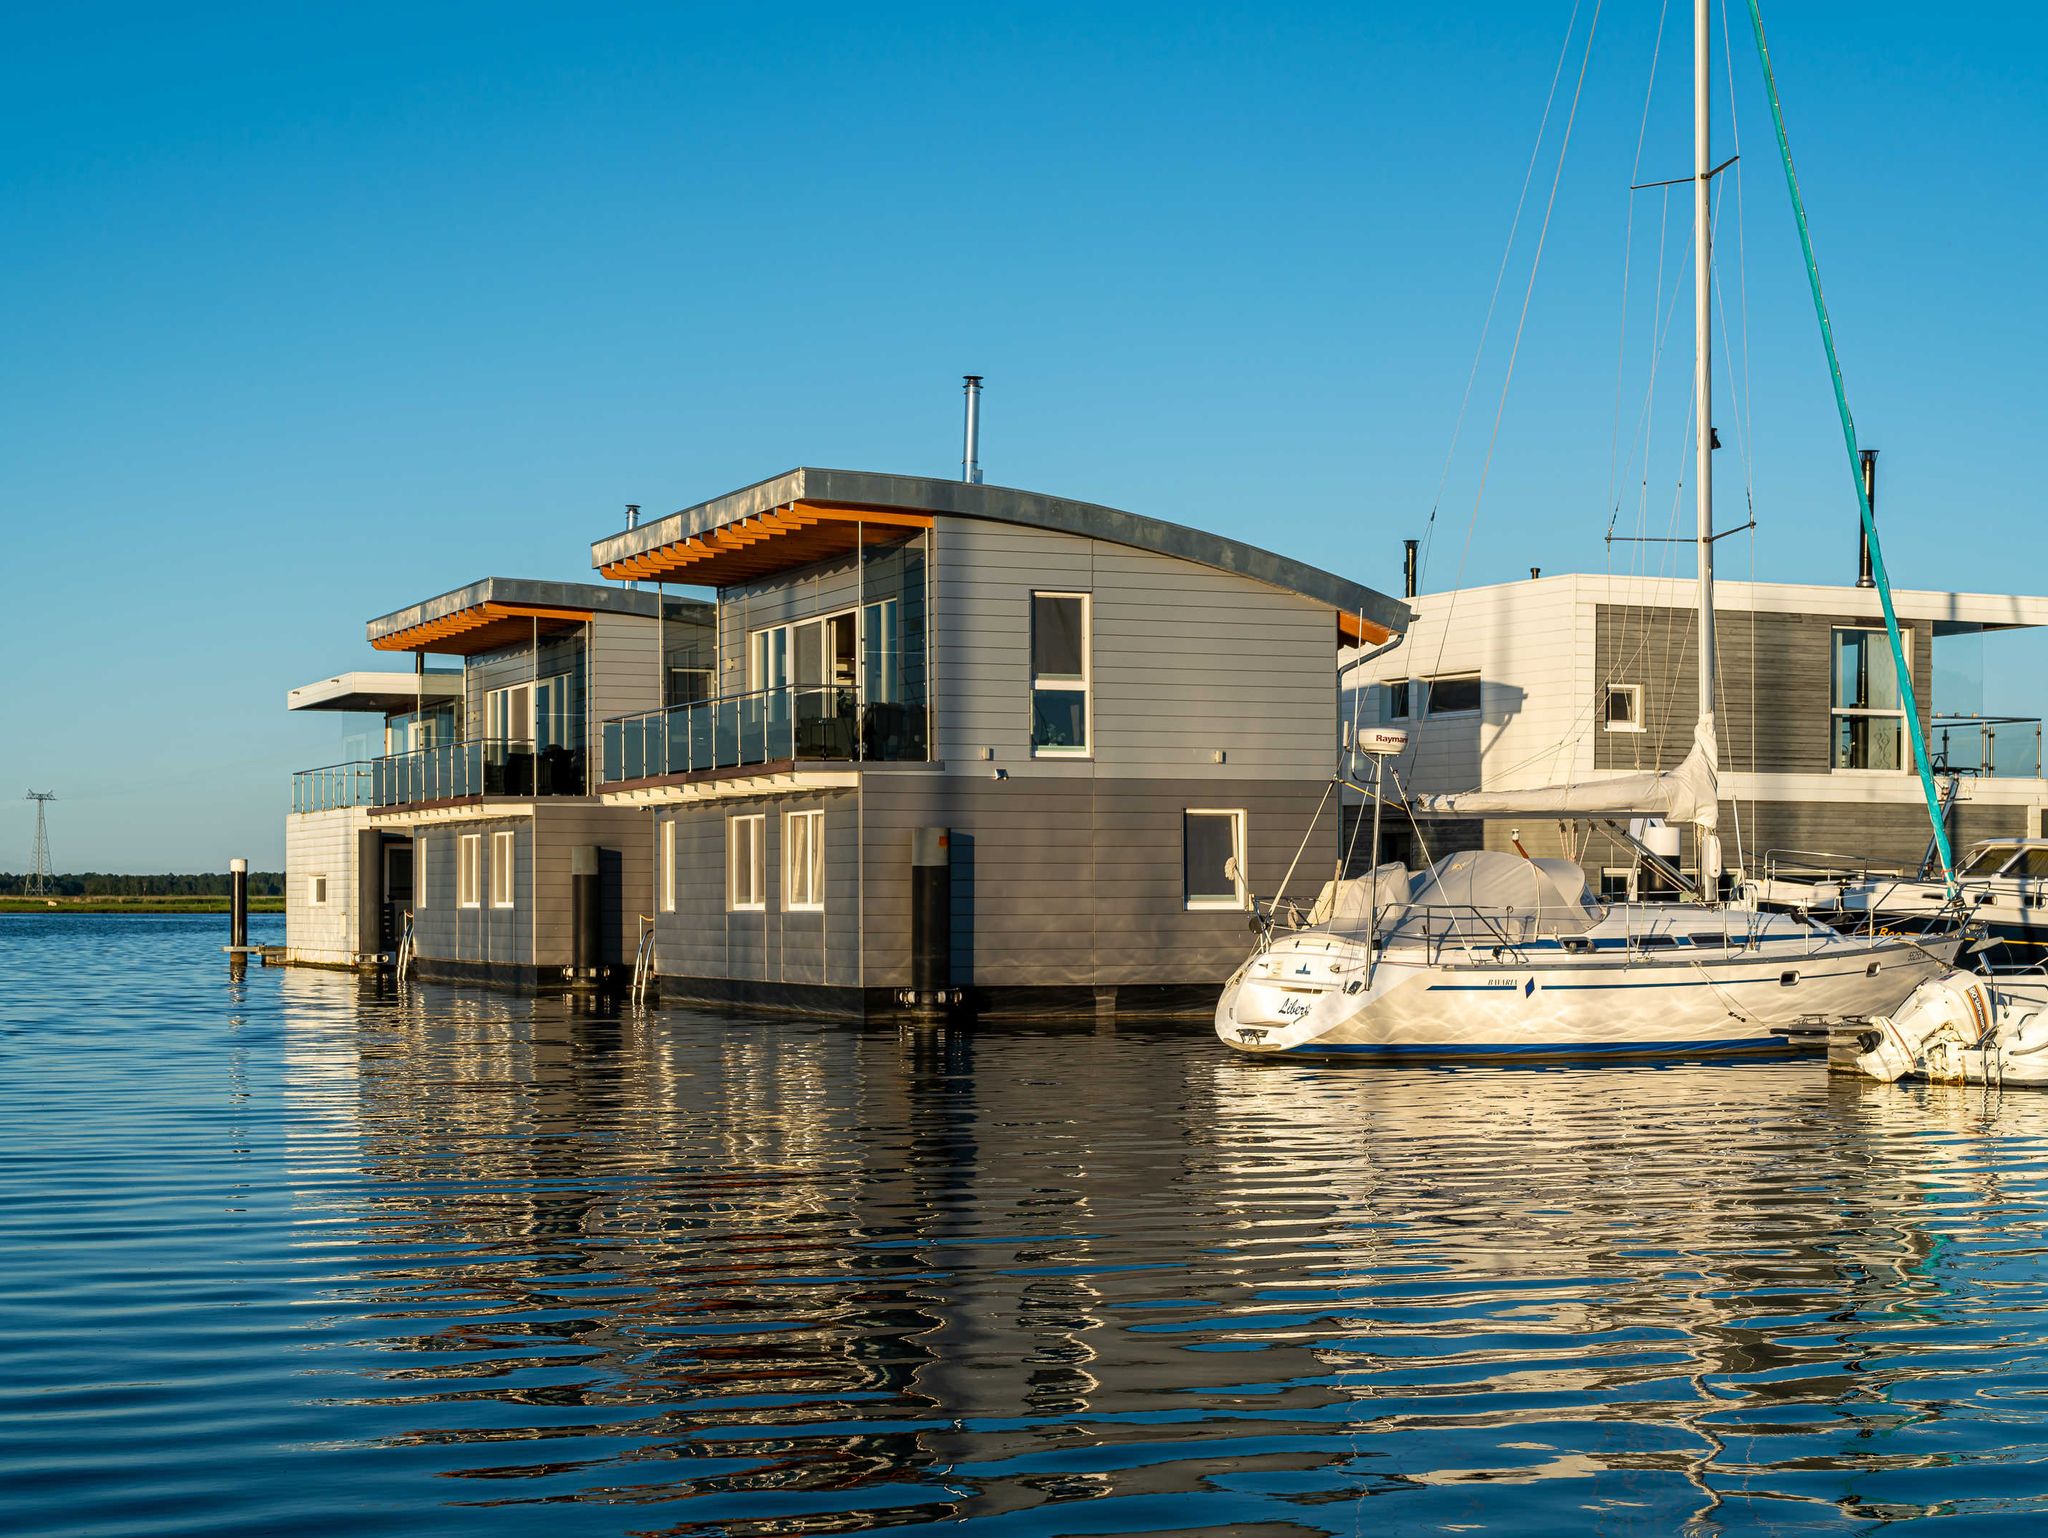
(1940, 1020)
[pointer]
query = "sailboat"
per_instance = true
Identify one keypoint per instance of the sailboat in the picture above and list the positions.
(1496, 954)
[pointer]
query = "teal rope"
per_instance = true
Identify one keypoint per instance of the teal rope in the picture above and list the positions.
(1827, 337)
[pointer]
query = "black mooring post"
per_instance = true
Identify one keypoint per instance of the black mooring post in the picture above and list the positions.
(1864, 576)
(931, 916)
(585, 913)
(238, 903)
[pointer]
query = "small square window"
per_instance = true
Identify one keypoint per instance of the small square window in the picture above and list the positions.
(1454, 696)
(317, 891)
(1623, 709)
(1212, 859)
(1394, 701)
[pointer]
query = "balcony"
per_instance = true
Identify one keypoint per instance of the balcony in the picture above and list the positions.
(789, 724)
(1997, 747)
(446, 772)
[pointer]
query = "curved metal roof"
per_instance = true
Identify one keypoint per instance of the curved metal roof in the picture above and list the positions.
(914, 494)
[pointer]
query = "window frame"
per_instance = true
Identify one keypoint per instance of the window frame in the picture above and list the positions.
(1838, 713)
(316, 889)
(1401, 690)
(1635, 721)
(1060, 684)
(469, 870)
(757, 871)
(665, 852)
(812, 882)
(1429, 710)
(419, 872)
(504, 869)
(498, 713)
(1241, 900)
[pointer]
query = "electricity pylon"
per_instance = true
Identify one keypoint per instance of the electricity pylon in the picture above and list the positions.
(39, 862)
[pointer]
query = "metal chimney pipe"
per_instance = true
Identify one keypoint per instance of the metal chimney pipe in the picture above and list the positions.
(970, 458)
(1409, 547)
(632, 515)
(1864, 577)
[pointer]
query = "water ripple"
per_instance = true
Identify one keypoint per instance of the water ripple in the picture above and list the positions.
(283, 1253)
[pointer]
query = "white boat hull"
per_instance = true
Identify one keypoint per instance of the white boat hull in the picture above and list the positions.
(1742, 1002)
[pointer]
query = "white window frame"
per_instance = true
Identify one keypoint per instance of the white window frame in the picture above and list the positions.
(803, 862)
(1085, 686)
(469, 870)
(753, 897)
(499, 714)
(668, 864)
(1401, 690)
(504, 870)
(316, 890)
(1635, 721)
(419, 872)
(1242, 900)
(1429, 710)
(1837, 712)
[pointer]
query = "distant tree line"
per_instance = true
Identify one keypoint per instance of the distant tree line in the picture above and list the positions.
(262, 883)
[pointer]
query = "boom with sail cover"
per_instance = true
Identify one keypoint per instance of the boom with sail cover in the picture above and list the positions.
(1688, 793)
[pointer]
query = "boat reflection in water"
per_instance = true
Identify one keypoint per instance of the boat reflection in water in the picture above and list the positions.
(752, 1276)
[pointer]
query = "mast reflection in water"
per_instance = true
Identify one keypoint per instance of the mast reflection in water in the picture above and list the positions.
(283, 1253)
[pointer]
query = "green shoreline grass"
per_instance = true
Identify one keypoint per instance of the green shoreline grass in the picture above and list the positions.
(133, 905)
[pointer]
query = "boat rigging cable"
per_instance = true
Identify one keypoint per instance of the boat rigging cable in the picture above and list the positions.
(1884, 586)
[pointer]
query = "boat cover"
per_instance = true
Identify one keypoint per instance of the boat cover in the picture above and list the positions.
(1689, 793)
(1551, 893)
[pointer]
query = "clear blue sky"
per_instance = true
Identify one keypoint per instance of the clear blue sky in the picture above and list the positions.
(310, 315)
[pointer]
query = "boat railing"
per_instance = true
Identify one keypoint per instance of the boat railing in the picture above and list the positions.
(1821, 865)
(816, 722)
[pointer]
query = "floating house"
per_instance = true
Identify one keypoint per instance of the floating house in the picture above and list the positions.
(1567, 678)
(931, 740)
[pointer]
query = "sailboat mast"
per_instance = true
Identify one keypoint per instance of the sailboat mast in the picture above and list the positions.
(1703, 356)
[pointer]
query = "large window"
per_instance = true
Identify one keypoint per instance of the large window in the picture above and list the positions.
(469, 870)
(768, 659)
(746, 864)
(1060, 660)
(803, 861)
(1212, 858)
(1869, 714)
(503, 868)
(668, 865)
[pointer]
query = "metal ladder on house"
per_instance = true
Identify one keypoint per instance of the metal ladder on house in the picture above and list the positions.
(403, 968)
(643, 963)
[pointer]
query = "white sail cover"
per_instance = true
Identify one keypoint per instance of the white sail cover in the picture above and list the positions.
(1690, 793)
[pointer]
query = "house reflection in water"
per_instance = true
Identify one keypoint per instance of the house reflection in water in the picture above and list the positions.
(761, 1277)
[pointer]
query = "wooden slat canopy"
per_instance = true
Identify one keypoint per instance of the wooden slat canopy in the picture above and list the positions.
(760, 544)
(481, 627)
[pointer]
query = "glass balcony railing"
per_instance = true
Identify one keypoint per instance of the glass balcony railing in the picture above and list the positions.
(798, 722)
(2001, 747)
(445, 772)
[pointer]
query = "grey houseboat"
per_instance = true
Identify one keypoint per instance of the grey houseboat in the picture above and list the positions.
(1123, 728)
(1113, 729)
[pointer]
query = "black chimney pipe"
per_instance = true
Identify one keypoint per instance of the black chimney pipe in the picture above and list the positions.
(1864, 578)
(1408, 567)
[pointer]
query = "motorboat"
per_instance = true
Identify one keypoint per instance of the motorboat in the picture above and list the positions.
(1963, 1028)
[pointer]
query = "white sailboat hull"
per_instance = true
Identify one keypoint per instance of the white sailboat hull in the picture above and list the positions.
(1532, 1003)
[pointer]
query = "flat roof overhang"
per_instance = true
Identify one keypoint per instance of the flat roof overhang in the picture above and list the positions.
(377, 693)
(501, 611)
(807, 515)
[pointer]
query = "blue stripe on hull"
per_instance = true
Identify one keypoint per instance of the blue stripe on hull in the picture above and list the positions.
(1546, 1049)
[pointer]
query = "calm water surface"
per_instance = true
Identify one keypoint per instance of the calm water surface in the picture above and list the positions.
(286, 1254)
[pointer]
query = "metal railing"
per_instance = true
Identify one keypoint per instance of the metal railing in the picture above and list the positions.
(797, 721)
(1998, 747)
(445, 772)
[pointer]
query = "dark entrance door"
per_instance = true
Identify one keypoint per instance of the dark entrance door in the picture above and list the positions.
(397, 893)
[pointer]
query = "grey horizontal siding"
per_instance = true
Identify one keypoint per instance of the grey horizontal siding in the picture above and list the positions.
(1773, 713)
